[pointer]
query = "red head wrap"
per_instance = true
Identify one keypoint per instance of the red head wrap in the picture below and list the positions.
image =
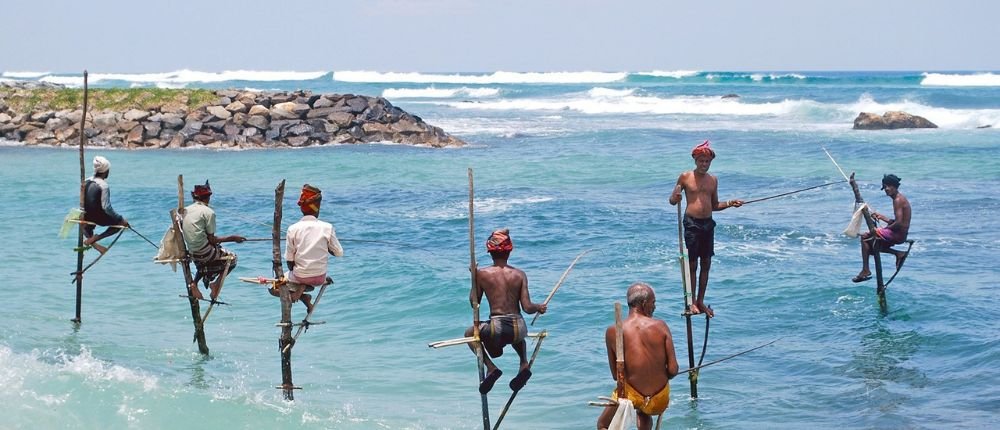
(499, 241)
(310, 197)
(703, 150)
(202, 190)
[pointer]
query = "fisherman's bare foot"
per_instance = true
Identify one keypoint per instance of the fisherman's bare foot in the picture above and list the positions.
(215, 287)
(100, 248)
(702, 307)
(193, 288)
(694, 309)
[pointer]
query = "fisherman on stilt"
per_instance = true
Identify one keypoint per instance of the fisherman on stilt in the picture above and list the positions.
(702, 193)
(308, 247)
(893, 233)
(97, 210)
(208, 255)
(506, 289)
(650, 360)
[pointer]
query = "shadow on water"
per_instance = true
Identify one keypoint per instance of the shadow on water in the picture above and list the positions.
(881, 364)
(197, 369)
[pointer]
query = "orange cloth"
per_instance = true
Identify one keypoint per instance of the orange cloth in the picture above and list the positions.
(499, 241)
(649, 405)
(310, 197)
(703, 149)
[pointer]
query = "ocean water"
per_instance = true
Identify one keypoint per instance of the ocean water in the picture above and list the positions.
(569, 162)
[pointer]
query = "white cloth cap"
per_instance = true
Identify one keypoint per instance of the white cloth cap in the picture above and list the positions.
(101, 164)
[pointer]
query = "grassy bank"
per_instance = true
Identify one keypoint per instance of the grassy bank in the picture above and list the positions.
(117, 99)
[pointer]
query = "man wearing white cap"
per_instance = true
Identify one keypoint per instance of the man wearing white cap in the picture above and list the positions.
(97, 206)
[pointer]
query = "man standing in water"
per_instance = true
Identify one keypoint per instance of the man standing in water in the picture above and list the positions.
(702, 193)
(506, 288)
(892, 234)
(205, 247)
(650, 360)
(97, 210)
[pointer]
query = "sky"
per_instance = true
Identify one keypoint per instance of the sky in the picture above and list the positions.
(146, 36)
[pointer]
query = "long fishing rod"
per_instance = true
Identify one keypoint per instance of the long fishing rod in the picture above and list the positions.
(794, 192)
(835, 164)
(727, 358)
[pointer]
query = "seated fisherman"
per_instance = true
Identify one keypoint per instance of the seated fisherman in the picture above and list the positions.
(97, 210)
(204, 246)
(309, 245)
(894, 233)
(506, 289)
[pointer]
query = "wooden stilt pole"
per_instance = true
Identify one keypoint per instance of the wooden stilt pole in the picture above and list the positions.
(688, 299)
(880, 291)
(83, 181)
(473, 269)
(285, 341)
(199, 325)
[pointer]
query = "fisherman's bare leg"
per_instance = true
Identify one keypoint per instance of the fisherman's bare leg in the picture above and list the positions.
(521, 349)
(604, 421)
(866, 250)
(307, 300)
(643, 421)
(706, 265)
(194, 291)
(215, 287)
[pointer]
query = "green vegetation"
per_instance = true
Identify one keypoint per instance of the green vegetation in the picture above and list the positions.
(117, 99)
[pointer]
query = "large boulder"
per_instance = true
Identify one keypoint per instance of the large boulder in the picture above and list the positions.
(890, 121)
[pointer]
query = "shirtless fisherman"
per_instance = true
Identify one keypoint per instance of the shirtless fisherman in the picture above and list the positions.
(506, 289)
(893, 233)
(702, 192)
(650, 360)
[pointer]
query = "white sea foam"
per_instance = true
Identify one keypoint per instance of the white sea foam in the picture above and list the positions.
(432, 92)
(488, 205)
(608, 101)
(491, 78)
(670, 74)
(956, 80)
(24, 75)
(942, 117)
(186, 76)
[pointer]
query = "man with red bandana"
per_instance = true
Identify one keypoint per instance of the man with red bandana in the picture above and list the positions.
(205, 247)
(309, 244)
(506, 289)
(702, 193)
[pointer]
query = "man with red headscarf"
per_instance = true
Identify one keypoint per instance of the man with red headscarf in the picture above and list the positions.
(205, 247)
(506, 289)
(702, 192)
(308, 246)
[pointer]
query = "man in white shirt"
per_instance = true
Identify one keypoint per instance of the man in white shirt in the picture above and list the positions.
(309, 244)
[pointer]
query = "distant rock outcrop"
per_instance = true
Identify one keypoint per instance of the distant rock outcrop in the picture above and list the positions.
(890, 121)
(243, 119)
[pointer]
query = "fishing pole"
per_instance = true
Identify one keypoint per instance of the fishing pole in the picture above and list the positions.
(727, 358)
(835, 164)
(793, 192)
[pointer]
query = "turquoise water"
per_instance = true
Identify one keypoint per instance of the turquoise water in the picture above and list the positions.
(568, 166)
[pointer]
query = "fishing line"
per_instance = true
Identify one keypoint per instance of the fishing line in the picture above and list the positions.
(793, 192)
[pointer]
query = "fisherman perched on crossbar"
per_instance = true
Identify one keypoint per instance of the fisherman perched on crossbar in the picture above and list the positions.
(205, 247)
(894, 233)
(309, 245)
(506, 288)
